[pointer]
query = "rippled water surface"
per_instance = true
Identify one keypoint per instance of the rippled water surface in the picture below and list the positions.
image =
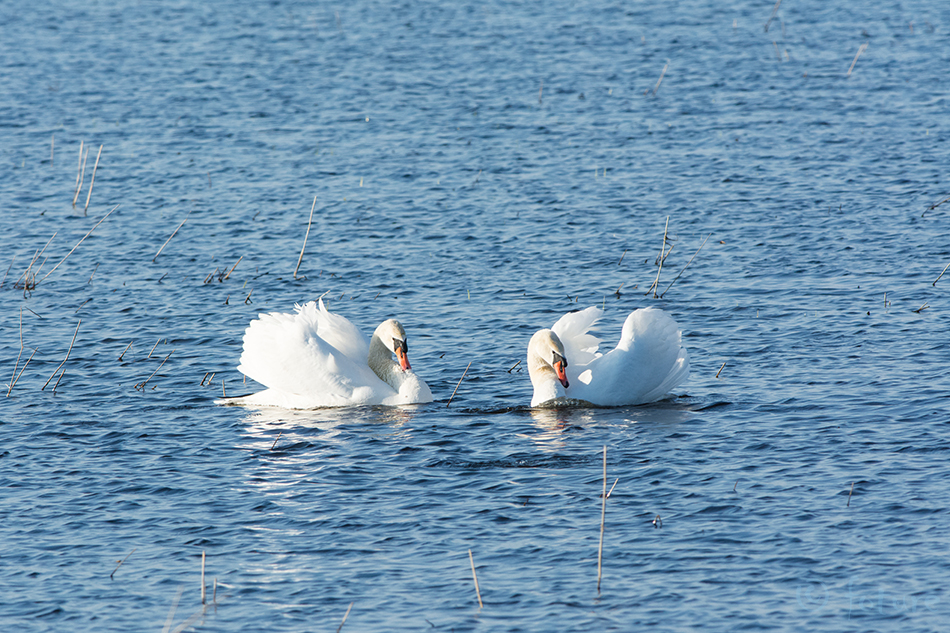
(479, 169)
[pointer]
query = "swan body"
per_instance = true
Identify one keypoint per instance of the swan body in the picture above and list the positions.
(314, 358)
(648, 362)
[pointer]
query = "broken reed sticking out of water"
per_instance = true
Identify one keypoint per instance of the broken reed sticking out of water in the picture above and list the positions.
(478, 592)
(79, 242)
(345, 615)
(15, 377)
(861, 49)
(684, 267)
(306, 235)
(662, 257)
(92, 182)
(459, 384)
(171, 236)
(64, 360)
(660, 80)
(603, 515)
(141, 386)
(80, 173)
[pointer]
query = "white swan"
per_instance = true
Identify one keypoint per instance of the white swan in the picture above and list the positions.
(563, 362)
(317, 359)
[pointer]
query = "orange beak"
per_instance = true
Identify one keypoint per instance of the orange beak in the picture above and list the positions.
(561, 375)
(403, 359)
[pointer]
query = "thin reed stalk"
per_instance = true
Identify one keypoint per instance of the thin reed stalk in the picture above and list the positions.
(79, 242)
(13, 261)
(67, 354)
(171, 236)
(306, 235)
(233, 267)
(459, 384)
(122, 561)
(660, 80)
(339, 628)
(771, 17)
(478, 592)
(80, 173)
(603, 515)
(13, 383)
(125, 350)
(202, 577)
(92, 182)
(935, 280)
(662, 258)
(861, 49)
(686, 266)
(141, 385)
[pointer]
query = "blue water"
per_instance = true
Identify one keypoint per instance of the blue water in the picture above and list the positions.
(479, 169)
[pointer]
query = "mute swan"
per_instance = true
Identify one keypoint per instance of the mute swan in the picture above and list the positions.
(318, 359)
(646, 364)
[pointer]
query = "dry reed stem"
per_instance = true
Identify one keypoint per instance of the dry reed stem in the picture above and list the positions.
(171, 236)
(22, 369)
(720, 369)
(275, 440)
(247, 299)
(93, 273)
(25, 275)
(922, 308)
(13, 261)
(17, 363)
(513, 366)
(609, 492)
(849, 495)
(603, 515)
(459, 384)
(92, 182)
(81, 173)
(861, 49)
(478, 592)
(306, 235)
(79, 242)
(934, 206)
(171, 612)
(125, 350)
(122, 561)
(202, 577)
(233, 267)
(65, 359)
(141, 385)
(771, 17)
(153, 347)
(658, 81)
(662, 258)
(61, 374)
(686, 266)
(935, 280)
(621, 257)
(339, 628)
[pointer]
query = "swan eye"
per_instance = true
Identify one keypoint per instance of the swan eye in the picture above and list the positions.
(399, 344)
(559, 359)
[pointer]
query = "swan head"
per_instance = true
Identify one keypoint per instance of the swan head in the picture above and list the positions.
(393, 336)
(545, 356)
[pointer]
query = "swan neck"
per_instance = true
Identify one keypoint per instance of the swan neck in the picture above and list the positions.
(543, 378)
(381, 361)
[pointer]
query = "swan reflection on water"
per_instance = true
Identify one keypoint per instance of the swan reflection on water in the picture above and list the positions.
(557, 416)
(265, 423)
